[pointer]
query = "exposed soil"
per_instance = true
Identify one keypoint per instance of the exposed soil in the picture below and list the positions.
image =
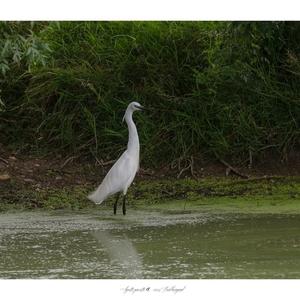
(54, 172)
(28, 181)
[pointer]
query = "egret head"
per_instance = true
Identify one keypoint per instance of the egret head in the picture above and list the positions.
(133, 106)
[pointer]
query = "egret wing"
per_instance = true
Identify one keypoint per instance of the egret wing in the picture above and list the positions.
(117, 179)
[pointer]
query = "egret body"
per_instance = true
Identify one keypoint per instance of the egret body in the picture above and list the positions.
(122, 173)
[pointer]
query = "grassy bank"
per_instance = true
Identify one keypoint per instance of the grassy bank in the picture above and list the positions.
(276, 195)
(217, 89)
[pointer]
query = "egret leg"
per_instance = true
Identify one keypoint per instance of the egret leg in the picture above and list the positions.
(124, 205)
(116, 203)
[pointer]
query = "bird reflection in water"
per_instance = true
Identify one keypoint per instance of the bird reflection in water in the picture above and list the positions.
(121, 251)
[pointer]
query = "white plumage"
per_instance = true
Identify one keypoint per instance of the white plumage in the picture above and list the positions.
(122, 173)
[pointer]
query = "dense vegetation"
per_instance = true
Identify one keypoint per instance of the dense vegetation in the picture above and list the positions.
(216, 89)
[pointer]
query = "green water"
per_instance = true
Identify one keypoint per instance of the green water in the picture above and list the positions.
(149, 245)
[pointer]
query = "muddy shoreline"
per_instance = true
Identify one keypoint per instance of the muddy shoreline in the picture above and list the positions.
(31, 182)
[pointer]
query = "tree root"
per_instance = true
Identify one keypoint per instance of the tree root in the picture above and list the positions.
(190, 167)
(233, 170)
(4, 160)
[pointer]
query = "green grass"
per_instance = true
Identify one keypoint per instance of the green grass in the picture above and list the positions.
(278, 195)
(225, 89)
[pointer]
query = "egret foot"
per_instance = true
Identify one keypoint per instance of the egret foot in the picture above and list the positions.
(124, 205)
(116, 203)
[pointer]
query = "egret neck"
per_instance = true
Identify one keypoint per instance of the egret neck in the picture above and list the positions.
(133, 145)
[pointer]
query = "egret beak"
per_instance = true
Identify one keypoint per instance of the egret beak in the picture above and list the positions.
(144, 108)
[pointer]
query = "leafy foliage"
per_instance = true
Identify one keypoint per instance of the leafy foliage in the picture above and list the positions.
(216, 88)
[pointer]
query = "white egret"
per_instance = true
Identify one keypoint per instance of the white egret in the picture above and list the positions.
(122, 173)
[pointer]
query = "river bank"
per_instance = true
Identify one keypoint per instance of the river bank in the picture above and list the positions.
(36, 183)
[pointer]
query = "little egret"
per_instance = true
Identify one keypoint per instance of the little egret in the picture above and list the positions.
(122, 173)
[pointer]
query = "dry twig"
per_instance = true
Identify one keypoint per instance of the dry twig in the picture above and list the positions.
(4, 160)
(232, 169)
